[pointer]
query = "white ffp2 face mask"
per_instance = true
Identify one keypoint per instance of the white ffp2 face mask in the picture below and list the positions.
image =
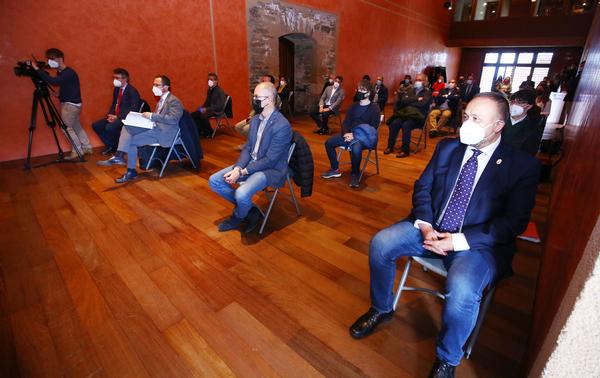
(471, 134)
(53, 63)
(117, 83)
(336, 85)
(516, 110)
(211, 83)
(157, 91)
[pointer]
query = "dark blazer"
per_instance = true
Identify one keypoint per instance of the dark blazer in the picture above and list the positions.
(336, 100)
(273, 150)
(167, 121)
(302, 165)
(525, 135)
(411, 98)
(382, 95)
(215, 100)
(285, 92)
(130, 101)
(499, 207)
(468, 91)
(453, 98)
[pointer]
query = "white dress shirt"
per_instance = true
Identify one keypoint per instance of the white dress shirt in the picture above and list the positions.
(459, 241)
(328, 102)
(259, 134)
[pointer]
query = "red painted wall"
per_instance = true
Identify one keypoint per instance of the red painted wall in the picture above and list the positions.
(390, 38)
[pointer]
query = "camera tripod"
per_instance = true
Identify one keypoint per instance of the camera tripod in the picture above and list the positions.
(41, 98)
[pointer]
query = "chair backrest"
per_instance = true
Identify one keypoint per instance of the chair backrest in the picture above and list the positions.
(227, 99)
(144, 106)
(291, 152)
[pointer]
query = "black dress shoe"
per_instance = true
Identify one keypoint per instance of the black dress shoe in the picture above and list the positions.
(403, 154)
(108, 151)
(366, 324)
(253, 219)
(442, 369)
(318, 131)
(387, 151)
(128, 176)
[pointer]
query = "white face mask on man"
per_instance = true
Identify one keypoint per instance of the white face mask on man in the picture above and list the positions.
(336, 85)
(157, 91)
(53, 63)
(472, 134)
(117, 83)
(516, 110)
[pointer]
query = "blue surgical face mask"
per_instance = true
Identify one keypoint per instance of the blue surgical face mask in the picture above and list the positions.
(418, 84)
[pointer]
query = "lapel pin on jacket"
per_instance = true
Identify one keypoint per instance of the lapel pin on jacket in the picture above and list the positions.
(499, 161)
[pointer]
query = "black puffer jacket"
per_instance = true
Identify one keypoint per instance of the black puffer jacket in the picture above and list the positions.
(302, 165)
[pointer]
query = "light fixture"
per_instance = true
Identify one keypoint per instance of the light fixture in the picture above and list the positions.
(448, 5)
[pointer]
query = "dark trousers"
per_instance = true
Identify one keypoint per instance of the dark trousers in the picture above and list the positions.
(355, 152)
(108, 131)
(322, 118)
(406, 126)
(203, 124)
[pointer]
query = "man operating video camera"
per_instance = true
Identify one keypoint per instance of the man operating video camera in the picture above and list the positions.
(69, 96)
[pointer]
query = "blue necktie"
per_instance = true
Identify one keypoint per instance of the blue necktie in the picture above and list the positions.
(457, 206)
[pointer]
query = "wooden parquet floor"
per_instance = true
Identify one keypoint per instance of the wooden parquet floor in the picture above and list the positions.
(135, 280)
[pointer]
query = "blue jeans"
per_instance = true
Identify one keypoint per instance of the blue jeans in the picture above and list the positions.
(469, 273)
(355, 152)
(242, 196)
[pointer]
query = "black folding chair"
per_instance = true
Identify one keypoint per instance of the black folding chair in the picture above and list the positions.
(221, 116)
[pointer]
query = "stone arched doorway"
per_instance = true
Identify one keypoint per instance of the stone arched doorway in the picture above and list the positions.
(309, 32)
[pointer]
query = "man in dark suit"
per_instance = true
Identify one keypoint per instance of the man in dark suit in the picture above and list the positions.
(469, 90)
(214, 104)
(527, 124)
(527, 84)
(330, 104)
(474, 197)
(125, 99)
(166, 124)
(262, 162)
(381, 93)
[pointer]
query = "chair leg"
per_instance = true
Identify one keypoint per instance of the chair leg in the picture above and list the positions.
(376, 160)
(188, 154)
(289, 180)
(151, 158)
(339, 154)
(166, 162)
(402, 282)
(215, 130)
(362, 171)
(271, 203)
(487, 301)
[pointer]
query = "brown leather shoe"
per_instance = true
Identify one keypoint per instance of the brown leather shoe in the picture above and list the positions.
(403, 154)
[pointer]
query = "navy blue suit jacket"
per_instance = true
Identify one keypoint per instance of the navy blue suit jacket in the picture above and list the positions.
(130, 101)
(499, 207)
(273, 150)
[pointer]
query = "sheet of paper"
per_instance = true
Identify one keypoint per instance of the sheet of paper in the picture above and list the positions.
(138, 120)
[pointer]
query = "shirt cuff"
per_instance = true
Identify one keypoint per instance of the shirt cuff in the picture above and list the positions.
(244, 172)
(459, 242)
(419, 222)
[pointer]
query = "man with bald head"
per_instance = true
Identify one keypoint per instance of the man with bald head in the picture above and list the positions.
(262, 162)
(473, 199)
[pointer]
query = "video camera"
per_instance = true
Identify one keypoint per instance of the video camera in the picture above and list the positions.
(24, 68)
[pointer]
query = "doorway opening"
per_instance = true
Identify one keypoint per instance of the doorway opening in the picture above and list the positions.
(297, 62)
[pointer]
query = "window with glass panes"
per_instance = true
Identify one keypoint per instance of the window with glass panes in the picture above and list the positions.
(516, 65)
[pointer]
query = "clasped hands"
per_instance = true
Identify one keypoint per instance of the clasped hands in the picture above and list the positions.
(232, 176)
(348, 137)
(437, 242)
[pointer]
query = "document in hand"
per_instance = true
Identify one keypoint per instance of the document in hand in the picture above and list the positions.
(138, 120)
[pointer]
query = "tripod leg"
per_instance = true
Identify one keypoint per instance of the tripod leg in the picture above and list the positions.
(32, 122)
(55, 118)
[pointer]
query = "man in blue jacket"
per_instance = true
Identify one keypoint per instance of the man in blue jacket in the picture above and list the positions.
(125, 99)
(474, 197)
(262, 162)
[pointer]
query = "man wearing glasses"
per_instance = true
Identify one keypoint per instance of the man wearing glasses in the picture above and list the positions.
(125, 99)
(262, 162)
